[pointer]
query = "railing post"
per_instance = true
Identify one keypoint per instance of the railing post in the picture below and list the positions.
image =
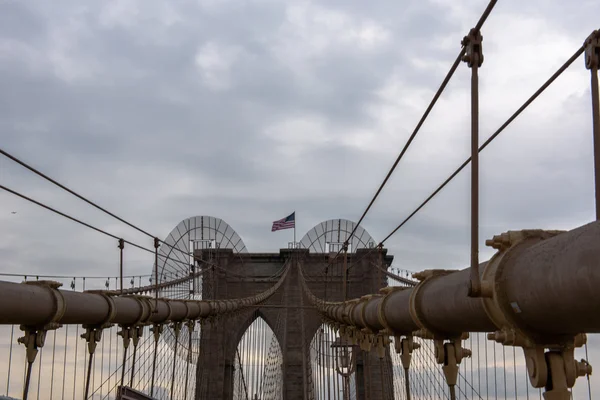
(474, 58)
(592, 61)
(121, 246)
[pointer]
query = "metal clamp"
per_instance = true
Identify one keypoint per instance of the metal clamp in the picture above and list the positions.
(92, 335)
(387, 291)
(366, 339)
(125, 333)
(555, 369)
(472, 44)
(144, 303)
(112, 309)
(33, 340)
(176, 326)
(450, 354)
(136, 333)
(156, 330)
(499, 308)
(592, 50)
(381, 343)
(425, 277)
(190, 325)
(59, 306)
(405, 347)
(35, 336)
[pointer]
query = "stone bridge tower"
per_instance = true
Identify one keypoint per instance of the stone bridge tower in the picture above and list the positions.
(288, 313)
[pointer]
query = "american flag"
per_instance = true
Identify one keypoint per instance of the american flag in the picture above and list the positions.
(284, 223)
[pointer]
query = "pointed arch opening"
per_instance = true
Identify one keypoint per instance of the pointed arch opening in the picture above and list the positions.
(258, 363)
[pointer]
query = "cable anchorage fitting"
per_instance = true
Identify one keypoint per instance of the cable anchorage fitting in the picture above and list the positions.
(33, 340)
(93, 335)
(592, 50)
(125, 333)
(381, 344)
(156, 330)
(555, 369)
(550, 360)
(405, 347)
(449, 354)
(473, 46)
(35, 336)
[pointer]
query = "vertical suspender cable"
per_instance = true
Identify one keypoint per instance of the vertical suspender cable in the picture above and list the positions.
(12, 331)
(62, 395)
(76, 349)
(504, 368)
(588, 375)
(84, 352)
(121, 246)
(52, 368)
(515, 370)
(177, 328)
(89, 372)
(27, 380)
(592, 60)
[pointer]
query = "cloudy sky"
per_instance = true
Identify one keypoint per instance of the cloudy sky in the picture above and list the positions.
(248, 110)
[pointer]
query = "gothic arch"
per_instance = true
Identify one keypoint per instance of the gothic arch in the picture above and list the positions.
(256, 358)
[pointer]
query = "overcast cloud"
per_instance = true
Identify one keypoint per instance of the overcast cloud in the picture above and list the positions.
(248, 110)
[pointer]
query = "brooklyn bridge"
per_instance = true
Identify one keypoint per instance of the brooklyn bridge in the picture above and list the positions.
(329, 316)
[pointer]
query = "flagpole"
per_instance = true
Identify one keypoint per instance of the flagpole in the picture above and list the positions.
(294, 229)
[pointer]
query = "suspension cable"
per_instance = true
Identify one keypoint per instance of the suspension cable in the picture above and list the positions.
(81, 222)
(90, 202)
(432, 103)
(568, 63)
(46, 177)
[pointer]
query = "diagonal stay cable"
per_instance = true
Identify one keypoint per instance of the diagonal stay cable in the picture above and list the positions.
(485, 14)
(411, 138)
(90, 202)
(530, 100)
(432, 103)
(494, 136)
(77, 220)
(60, 185)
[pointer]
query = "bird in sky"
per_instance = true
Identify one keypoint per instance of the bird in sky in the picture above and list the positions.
(13, 212)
